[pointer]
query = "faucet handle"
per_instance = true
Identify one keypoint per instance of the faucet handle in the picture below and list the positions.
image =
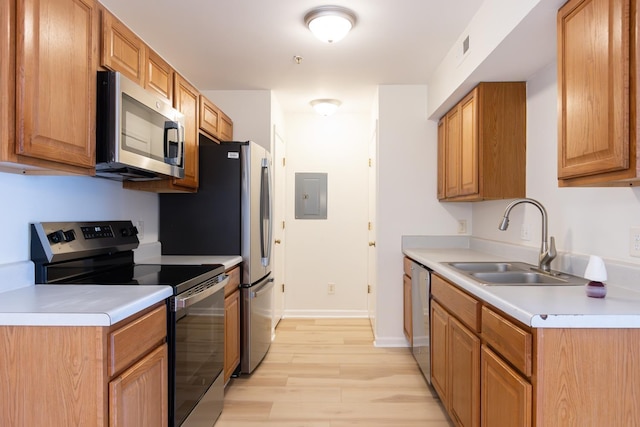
(552, 248)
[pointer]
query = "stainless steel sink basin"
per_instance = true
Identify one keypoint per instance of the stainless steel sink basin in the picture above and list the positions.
(514, 273)
(485, 266)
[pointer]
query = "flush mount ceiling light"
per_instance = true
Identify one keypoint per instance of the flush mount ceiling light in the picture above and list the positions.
(330, 23)
(325, 107)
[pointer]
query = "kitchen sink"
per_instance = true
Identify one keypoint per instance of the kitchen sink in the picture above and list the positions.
(514, 273)
(486, 266)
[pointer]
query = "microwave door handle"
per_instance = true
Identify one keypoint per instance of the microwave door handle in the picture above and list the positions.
(168, 158)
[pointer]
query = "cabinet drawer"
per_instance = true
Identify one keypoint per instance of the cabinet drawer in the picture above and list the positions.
(407, 266)
(511, 341)
(234, 281)
(461, 305)
(133, 340)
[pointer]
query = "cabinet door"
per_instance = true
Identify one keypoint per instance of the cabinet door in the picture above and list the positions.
(209, 117)
(464, 371)
(186, 101)
(231, 333)
(159, 75)
(139, 396)
(225, 127)
(505, 395)
(439, 326)
(407, 304)
(468, 163)
(56, 63)
(122, 50)
(7, 80)
(442, 165)
(593, 87)
(452, 153)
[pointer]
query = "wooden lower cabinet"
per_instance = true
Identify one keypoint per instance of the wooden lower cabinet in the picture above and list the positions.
(506, 395)
(138, 397)
(232, 323)
(86, 375)
(407, 309)
(491, 370)
(455, 366)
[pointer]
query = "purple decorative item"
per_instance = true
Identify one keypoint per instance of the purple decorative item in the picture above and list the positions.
(597, 274)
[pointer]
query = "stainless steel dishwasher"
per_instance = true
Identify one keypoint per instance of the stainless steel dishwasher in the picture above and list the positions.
(421, 308)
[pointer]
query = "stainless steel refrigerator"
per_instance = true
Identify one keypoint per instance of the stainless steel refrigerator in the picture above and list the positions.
(230, 214)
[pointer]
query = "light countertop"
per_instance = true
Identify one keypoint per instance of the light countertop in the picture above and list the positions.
(535, 305)
(91, 305)
(228, 261)
(77, 305)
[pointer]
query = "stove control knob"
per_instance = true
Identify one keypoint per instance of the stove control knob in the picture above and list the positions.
(129, 231)
(69, 236)
(56, 236)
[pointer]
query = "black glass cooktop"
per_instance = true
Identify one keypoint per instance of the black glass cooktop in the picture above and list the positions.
(180, 277)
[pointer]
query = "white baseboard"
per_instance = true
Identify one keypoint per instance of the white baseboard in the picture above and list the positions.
(325, 314)
(390, 342)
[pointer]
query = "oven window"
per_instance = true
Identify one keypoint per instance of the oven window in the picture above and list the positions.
(199, 351)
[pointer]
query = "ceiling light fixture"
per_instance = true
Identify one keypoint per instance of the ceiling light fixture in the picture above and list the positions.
(325, 107)
(330, 23)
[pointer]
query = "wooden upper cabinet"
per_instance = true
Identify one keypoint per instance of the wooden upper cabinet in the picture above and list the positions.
(209, 117)
(452, 153)
(225, 127)
(122, 50)
(187, 102)
(441, 159)
(469, 145)
(159, 75)
(597, 135)
(7, 80)
(56, 63)
(214, 122)
(482, 144)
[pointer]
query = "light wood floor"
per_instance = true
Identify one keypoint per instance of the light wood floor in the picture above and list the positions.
(327, 373)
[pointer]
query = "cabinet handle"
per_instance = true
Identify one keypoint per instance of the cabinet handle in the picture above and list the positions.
(277, 241)
(372, 243)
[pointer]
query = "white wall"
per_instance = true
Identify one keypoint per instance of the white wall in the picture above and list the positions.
(590, 221)
(250, 111)
(407, 201)
(29, 199)
(333, 250)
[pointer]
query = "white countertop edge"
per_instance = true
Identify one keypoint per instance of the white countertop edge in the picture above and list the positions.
(618, 321)
(55, 319)
(56, 305)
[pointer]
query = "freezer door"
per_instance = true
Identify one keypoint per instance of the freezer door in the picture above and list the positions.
(257, 213)
(257, 312)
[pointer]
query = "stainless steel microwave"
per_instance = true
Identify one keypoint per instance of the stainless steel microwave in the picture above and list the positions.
(139, 136)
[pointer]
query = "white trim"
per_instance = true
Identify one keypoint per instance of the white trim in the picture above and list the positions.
(325, 314)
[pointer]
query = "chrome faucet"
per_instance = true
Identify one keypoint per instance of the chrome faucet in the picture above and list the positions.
(547, 251)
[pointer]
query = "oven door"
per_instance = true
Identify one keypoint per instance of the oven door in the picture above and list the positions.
(197, 349)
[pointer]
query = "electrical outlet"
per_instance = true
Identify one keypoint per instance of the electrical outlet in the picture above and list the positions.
(462, 226)
(634, 242)
(140, 227)
(331, 288)
(524, 232)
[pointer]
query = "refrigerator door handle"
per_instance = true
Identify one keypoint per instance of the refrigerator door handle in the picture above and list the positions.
(262, 289)
(266, 228)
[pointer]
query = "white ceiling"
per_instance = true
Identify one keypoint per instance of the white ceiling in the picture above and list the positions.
(250, 44)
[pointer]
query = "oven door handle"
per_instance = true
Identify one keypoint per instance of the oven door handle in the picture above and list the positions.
(190, 300)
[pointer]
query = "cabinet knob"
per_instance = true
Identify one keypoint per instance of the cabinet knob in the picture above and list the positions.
(277, 241)
(372, 243)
